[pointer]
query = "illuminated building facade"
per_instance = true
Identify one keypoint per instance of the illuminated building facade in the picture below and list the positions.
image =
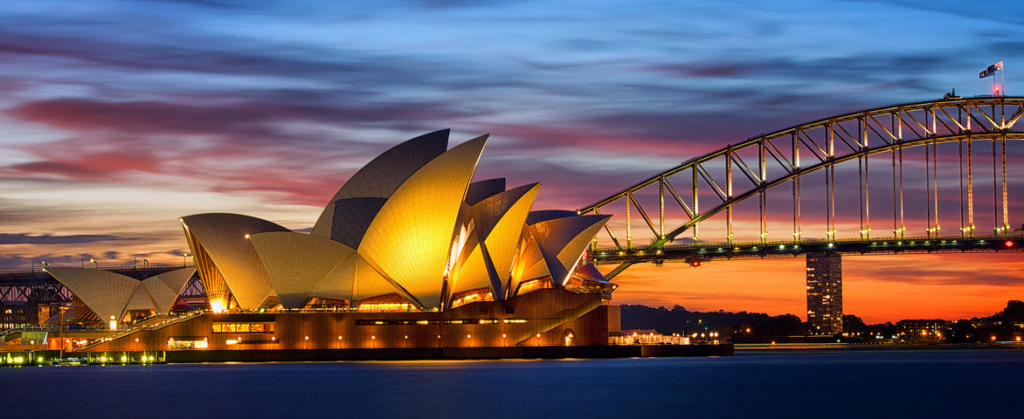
(825, 293)
(408, 253)
(922, 329)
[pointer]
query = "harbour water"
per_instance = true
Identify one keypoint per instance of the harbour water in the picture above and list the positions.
(771, 384)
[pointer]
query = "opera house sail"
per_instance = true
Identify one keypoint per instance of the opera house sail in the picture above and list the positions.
(409, 234)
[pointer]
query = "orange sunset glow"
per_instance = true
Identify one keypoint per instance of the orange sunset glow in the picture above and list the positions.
(108, 139)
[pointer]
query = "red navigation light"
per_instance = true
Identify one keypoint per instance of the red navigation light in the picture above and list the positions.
(1009, 243)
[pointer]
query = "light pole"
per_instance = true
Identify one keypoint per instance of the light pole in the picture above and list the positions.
(93, 263)
(61, 334)
(183, 256)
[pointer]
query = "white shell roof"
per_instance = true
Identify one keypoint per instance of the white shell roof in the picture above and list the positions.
(410, 239)
(563, 240)
(352, 217)
(474, 274)
(223, 237)
(164, 289)
(354, 280)
(547, 215)
(480, 190)
(298, 263)
(105, 293)
(141, 300)
(383, 175)
(499, 226)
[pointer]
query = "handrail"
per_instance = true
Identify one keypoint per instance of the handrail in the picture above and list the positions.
(105, 268)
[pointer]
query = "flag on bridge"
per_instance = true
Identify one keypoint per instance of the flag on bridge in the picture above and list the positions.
(991, 70)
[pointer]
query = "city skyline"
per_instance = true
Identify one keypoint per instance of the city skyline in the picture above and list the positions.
(120, 118)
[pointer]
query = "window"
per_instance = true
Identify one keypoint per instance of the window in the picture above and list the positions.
(243, 328)
(186, 344)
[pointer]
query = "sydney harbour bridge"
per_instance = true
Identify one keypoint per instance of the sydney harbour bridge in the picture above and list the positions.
(792, 164)
(705, 190)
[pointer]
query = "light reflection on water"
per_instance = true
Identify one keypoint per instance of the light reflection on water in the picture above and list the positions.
(922, 383)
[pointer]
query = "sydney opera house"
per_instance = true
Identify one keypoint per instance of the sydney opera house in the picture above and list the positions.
(410, 252)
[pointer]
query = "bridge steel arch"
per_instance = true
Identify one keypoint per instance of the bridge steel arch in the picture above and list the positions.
(828, 142)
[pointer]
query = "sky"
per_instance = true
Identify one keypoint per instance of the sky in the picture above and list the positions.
(118, 117)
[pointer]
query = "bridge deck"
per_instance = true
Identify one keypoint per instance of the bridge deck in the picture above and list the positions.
(788, 249)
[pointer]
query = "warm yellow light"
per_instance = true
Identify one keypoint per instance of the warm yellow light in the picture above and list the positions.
(216, 306)
(307, 337)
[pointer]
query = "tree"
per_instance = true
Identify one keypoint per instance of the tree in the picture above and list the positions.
(853, 324)
(1014, 312)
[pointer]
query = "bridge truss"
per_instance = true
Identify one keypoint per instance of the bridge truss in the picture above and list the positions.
(781, 159)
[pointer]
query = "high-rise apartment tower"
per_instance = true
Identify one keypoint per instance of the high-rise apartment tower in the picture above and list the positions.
(825, 293)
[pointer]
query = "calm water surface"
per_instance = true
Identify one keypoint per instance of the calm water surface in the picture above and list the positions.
(813, 384)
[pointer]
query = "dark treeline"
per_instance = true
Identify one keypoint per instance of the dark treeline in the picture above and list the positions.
(682, 321)
(1003, 326)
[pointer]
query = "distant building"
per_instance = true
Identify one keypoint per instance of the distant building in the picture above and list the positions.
(652, 337)
(18, 314)
(825, 293)
(922, 329)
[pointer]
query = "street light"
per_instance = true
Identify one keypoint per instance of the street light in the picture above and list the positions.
(93, 263)
(61, 334)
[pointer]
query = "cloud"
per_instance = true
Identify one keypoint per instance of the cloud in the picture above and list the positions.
(252, 120)
(46, 239)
